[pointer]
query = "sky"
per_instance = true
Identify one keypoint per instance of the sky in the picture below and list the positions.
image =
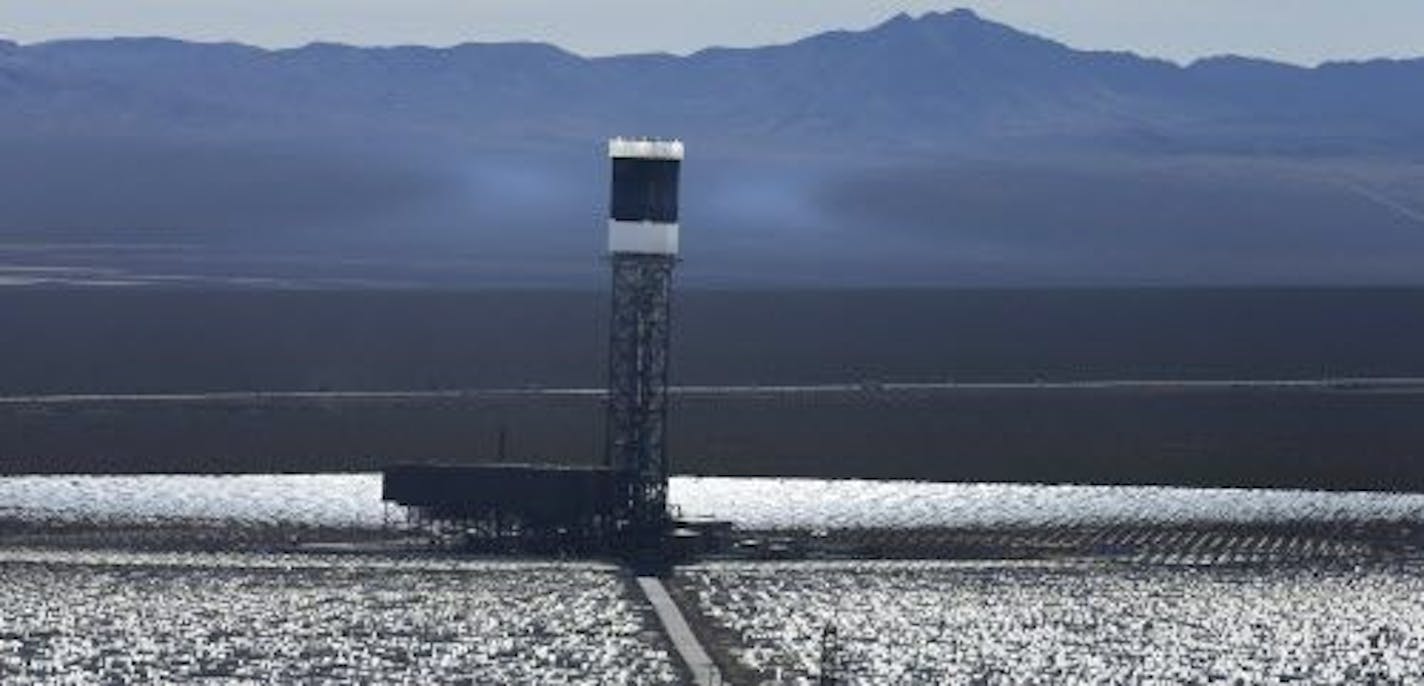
(1298, 31)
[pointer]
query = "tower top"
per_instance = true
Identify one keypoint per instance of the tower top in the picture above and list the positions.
(645, 148)
(642, 209)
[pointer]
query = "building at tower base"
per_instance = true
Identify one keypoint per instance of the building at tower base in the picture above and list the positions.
(620, 506)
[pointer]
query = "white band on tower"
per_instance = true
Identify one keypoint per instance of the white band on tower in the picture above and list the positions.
(642, 238)
(645, 148)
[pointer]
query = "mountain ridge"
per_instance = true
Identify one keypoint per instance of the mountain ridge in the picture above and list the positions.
(950, 80)
(944, 148)
(961, 14)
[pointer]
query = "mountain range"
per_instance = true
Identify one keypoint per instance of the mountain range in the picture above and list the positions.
(944, 149)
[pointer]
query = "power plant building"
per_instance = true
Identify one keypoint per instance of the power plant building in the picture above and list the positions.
(623, 501)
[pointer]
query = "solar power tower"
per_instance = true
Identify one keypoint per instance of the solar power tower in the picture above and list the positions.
(642, 247)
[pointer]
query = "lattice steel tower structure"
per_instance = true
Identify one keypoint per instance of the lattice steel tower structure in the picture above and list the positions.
(642, 247)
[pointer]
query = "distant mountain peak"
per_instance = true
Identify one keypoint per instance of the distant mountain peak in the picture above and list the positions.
(958, 17)
(962, 14)
(959, 14)
(954, 25)
(901, 18)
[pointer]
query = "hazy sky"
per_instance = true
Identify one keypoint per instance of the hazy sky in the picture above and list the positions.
(1304, 31)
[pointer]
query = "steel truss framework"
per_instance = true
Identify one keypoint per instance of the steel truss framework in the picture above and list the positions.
(639, 335)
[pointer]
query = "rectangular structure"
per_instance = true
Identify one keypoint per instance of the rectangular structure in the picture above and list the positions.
(643, 246)
(535, 496)
(643, 198)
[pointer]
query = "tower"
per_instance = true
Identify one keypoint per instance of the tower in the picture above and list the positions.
(642, 247)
